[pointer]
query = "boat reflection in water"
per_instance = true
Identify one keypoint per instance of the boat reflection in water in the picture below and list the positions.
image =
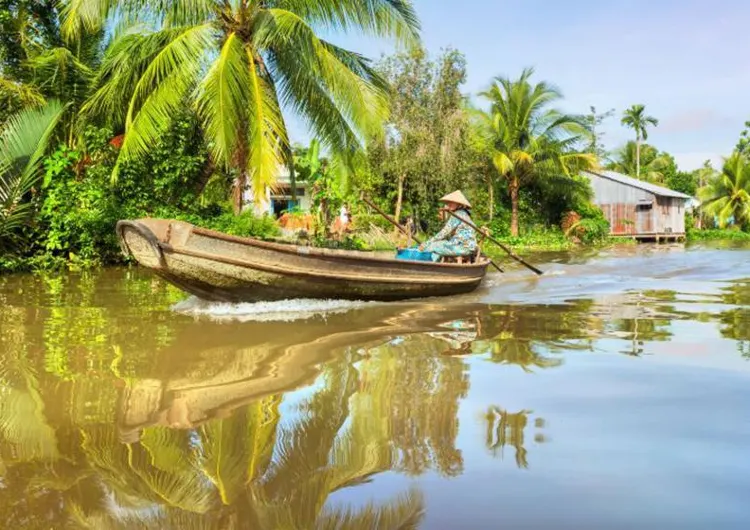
(205, 433)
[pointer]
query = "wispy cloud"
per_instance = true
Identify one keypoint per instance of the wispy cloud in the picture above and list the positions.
(695, 160)
(692, 120)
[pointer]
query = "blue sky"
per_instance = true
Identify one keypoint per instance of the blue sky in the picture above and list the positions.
(686, 60)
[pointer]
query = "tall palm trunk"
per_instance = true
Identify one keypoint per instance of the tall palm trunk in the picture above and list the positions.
(400, 197)
(638, 156)
(241, 182)
(239, 187)
(514, 185)
(206, 173)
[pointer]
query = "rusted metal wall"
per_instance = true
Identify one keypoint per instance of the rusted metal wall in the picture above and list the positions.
(670, 215)
(634, 211)
(623, 206)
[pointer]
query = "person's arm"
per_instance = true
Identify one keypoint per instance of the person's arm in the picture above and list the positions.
(444, 233)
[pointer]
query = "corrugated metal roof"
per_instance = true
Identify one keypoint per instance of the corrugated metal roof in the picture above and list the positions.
(630, 181)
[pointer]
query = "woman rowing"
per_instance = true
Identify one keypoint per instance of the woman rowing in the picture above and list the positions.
(455, 238)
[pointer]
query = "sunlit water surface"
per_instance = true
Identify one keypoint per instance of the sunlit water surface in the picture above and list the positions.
(612, 392)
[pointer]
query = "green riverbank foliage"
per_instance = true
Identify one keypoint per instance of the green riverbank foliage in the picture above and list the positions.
(78, 205)
(98, 125)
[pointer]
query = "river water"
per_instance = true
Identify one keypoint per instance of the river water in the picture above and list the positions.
(612, 392)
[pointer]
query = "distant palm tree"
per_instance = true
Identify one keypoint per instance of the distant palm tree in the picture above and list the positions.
(626, 161)
(238, 64)
(727, 195)
(636, 119)
(527, 140)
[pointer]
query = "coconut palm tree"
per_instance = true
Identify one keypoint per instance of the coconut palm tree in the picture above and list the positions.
(727, 195)
(23, 140)
(526, 139)
(505, 428)
(636, 118)
(239, 64)
(39, 65)
(651, 164)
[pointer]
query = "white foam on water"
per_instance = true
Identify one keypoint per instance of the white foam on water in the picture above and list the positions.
(281, 310)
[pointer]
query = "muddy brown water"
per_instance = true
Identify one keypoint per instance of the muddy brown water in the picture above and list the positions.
(612, 392)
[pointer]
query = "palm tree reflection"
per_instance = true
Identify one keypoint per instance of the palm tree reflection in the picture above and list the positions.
(508, 429)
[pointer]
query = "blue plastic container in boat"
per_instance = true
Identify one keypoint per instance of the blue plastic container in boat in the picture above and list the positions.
(413, 255)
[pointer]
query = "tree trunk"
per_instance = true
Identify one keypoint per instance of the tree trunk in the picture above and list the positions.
(240, 161)
(400, 197)
(239, 188)
(491, 190)
(699, 209)
(514, 185)
(206, 173)
(638, 157)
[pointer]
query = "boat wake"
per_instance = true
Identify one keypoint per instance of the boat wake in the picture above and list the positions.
(282, 310)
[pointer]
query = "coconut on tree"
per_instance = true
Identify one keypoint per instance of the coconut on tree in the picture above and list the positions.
(238, 64)
(636, 118)
(527, 140)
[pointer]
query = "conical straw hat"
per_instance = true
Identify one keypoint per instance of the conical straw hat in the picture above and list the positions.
(458, 198)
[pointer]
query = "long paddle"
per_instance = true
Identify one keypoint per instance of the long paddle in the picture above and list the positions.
(506, 249)
(388, 218)
(401, 228)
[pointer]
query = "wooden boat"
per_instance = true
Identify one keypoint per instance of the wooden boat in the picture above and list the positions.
(220, 267)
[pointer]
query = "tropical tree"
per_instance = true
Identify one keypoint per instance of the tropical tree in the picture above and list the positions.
(26, 26)
(630, 159)
(636, 118)
(727, 195)
(594, 120)
(39, 65)
(23, 140)
(239, 64)
(526, 140)
(422, 152)
(743, 144)
(703, 176)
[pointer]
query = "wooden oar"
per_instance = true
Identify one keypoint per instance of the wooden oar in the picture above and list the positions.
(403, 230)
(506, 249)
(388, 218)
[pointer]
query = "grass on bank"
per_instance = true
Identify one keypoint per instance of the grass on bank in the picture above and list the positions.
(716, 234)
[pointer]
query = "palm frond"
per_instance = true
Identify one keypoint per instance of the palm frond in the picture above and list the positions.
(124, 62)
(162, 89)
(79, 16)
(163, 461)
(24, 427)
(300, 91)
(382, 18)
(266, 133)
(26, 95)
(358, 94)
(23, 140)
(727, 195)
(405, 512)
(223, 100)
(61, 73)
(238, 450)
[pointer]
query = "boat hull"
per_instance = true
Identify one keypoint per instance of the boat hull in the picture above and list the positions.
(219, 267)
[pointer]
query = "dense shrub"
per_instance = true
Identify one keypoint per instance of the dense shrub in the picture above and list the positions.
(364, 221)
(79, 205)
(245, 224)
